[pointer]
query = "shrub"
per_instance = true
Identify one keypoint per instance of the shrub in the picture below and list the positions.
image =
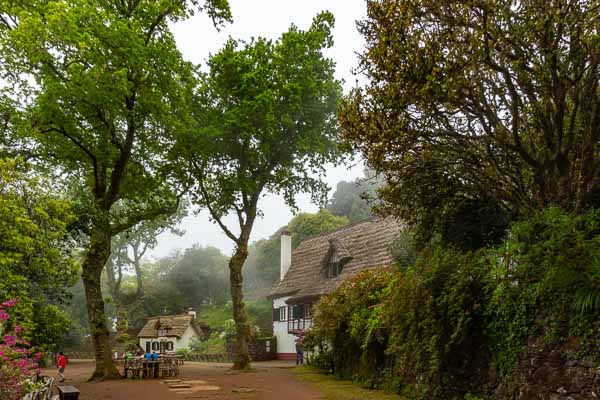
(545, 281)
(349, 319)
(397, 328)
(17, 365)
(434, 316)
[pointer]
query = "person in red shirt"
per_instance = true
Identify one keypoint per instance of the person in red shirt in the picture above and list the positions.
(62, 365)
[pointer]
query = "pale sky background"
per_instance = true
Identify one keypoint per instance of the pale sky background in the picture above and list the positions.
(197, 38)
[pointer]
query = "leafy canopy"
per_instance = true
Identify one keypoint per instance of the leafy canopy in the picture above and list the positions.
(265, 121)
(494, 101)
(108, 91)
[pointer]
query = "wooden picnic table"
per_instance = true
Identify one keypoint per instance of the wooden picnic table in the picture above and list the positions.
(143, 368)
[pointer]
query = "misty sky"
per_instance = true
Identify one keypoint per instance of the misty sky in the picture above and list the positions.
(197, 38)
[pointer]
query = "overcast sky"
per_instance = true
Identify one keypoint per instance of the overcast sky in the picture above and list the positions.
(197, 38)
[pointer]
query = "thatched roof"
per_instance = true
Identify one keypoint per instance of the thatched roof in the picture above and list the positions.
(175, 325)
(360, 246)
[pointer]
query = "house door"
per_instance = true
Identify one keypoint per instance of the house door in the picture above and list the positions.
(147, 347)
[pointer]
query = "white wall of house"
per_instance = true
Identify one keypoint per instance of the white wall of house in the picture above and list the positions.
(186, 339)
(178, 343)
(285, 341)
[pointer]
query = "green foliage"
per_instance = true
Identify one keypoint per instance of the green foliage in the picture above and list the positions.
(404, 249)
(422, 317)
(215, 344)
(51, 326)
(305, 225)
(195, 278)
(103, 94)
(347, 319)
(462, 104)
(265, 121)
(36, 254)
(259, 314)
(451, 316)
(433, 312)
(127, 251)
(350, 198)
(541, 281)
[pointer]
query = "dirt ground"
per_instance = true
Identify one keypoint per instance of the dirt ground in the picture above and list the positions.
(268, 381)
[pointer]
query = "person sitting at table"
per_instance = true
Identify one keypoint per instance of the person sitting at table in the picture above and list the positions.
(154, 356)
(148, 356)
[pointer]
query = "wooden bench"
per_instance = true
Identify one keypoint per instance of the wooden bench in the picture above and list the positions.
(44, 393)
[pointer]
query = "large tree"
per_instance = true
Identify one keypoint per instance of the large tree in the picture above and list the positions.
(110, 91)
(487, 103)
(266, 122)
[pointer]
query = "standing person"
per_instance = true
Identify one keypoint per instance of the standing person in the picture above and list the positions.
(299, 351)
(62, 365)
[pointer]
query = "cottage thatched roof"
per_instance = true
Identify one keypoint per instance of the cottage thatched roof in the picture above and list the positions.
(360, 246)
(175, 325)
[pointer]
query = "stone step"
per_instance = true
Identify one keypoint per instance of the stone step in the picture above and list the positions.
(180, 386)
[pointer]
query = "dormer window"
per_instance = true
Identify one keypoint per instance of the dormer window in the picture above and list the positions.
(334, 266)
(336, 258)
(162, 332)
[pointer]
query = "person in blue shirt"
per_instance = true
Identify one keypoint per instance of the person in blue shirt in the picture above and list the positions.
(154, 356)
(148, 356)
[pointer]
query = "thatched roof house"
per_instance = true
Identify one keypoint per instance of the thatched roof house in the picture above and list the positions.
(320, 264)
(352, 248)
(167, 333)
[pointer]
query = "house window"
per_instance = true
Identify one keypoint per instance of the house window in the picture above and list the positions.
(334, 266)
(297, 311)
(308, 311)
(147, 347)
(169, 346)
(162, 332)
(155, 346)
(283, 311)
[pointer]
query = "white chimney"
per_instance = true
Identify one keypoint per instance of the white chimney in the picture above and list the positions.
(286, 253)
(192, 312)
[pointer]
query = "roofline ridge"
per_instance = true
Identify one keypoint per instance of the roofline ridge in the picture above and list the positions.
(348, 226)
(170, 315)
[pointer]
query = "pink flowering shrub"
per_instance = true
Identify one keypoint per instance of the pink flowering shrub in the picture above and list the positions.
(18, 366)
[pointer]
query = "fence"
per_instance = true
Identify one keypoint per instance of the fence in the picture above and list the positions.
(80, 355)
(219, 357)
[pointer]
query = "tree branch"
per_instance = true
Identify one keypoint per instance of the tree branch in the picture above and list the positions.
(144, 216)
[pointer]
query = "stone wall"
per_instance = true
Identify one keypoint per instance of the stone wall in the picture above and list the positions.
(551, 372)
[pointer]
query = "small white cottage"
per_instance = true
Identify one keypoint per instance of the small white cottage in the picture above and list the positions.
(169, 333)
(319, 265)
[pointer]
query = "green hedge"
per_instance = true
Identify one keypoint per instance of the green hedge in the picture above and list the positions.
(437, 328)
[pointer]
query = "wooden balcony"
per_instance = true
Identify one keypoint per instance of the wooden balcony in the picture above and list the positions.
(299, 325)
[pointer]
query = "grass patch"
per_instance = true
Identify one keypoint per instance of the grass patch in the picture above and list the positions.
(337, 389)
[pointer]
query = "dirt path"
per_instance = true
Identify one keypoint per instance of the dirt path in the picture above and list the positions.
(269, 381)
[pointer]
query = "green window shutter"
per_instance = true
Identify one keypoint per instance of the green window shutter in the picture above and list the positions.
(276, 314)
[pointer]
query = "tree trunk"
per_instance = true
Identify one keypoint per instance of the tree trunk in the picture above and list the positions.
(93, 264)
(242, 330)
